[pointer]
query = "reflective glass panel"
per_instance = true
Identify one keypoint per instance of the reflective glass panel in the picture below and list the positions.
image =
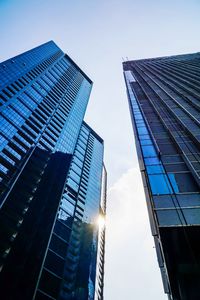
(160, 184)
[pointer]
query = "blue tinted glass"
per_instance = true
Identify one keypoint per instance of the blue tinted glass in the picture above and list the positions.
(137, 114)
(160, 184)
(68, 207)
(74, 176)
(151, 161)
(144, 137)
(138, 117)
(79, 155)
(72, 184)
(15, 117)
(169, 217)
(155, 169)
(173, 182)
(192, 215)
(76, 168)
(146, 142)
(78, 161)
(140, 121)
(3, 142)
(80, 149)
(142, 130)
(148, 151)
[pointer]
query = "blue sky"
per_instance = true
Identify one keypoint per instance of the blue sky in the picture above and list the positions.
(97, 35)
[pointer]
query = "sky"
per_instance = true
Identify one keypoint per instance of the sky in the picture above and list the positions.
(99, 35)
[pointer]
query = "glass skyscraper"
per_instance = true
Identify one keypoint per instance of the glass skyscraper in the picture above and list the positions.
(164, 100)
(52, 181)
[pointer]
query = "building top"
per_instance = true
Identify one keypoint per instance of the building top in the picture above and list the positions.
(83, 73)
(93, 132)
(23, 63)
(179, 57)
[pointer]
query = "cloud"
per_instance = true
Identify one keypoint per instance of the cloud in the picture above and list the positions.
(130, 255)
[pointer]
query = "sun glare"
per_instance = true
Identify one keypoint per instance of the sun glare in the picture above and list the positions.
(101, 222)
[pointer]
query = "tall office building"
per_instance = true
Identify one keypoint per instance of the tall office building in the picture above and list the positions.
(164, 101)
(52, 181)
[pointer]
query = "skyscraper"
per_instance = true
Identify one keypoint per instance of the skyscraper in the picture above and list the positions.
(51, 180)
(164, 101)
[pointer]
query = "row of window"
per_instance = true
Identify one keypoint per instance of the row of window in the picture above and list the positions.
(66, 234)
(180, 88)
(21, 110)
(22, 82)
(160, 181)
(185, 146)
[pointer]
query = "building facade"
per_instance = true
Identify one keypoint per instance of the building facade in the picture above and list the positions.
(51, 172)
(164, 101)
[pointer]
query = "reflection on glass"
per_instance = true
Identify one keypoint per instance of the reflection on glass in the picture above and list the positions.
(160, 184)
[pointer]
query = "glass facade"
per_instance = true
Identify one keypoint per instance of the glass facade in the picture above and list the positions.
(163, 96)
(72, 252)
(51, 165)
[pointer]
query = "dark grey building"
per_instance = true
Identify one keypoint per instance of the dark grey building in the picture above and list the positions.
(51, 180)
(164, 101)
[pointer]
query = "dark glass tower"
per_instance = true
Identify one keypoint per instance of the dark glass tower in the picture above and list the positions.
(51, 172)
(164, 101)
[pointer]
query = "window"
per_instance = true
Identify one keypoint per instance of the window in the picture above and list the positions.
(160, 184)
(146, 142)
(192, 215)
(72, 184)
(142, 130)
(155, 169)
(58, 245)
(76, 168)
(183, 182)
(151, 161)
(167, 149)
(171, 159)
(176, 167)
(148, 151)
(54, 263)
(68, 207)
(74, 176)
(170, 217)
(62, 231)
(49, 283)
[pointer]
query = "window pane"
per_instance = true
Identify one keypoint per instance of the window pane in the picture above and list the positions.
(148, 151)
(62, 230)
(169, 217)
(156, 169)
(58, 245)
(142, 130)
(151, 161)
(176, 167)
(160, 184)
(74, 176)
(144, 137)
(171, 158)
(49, 283)
(54, 263)
(146, 142)
(192, 215)
(183, 182)
(68, 207)
(72, 184)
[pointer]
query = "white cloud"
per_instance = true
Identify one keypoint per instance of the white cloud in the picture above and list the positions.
(131, 262)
